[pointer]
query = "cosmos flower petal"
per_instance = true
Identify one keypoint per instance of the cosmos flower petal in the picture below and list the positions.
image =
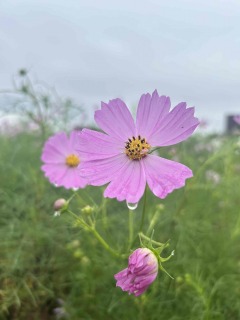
(151, 110)
(152, 274)
(138, 259)
(54, 172)
(116, 120)
(138, 292)
(59, 142)
(73, 139)
(99, 172)
(175, 127)
(51, 154)
(128, 183)
(56, 148)
(121, 274)
(71, 179)
(94, 145)
(163, 176)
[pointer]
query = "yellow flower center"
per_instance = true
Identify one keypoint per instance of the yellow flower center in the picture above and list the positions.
(72, 160)
(137, 148)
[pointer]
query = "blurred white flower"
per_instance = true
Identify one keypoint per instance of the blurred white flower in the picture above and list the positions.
(213, 176)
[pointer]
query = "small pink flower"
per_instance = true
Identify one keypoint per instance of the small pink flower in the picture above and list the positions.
(61, 161)
(123, 156)
(237, 119)
(141, 272)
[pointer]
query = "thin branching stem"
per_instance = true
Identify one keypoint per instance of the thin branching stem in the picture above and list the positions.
(144, 210)
(91, 228)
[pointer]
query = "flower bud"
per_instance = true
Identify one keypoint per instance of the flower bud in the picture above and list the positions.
(142, 270)
(87, 210)
(85, 261)
(59, 204)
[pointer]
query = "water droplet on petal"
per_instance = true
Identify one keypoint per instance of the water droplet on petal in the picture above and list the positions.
(132, 206)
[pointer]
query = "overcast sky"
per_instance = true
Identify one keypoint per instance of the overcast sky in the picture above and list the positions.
(104, 49)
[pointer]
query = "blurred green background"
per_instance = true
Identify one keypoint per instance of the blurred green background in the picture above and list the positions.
(51, 269)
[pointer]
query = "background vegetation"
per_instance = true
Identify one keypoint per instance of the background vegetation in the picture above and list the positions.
(51, 269)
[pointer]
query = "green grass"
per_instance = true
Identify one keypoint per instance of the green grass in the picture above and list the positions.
(44, 259)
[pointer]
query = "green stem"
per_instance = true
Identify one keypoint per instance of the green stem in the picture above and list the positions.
(130, 224)
(144, 209)
(72, 196)
(92, 229)
(153, 221)
(81, 221)
(142, 236)
(85, 196)
(104, 243)
(104, 213)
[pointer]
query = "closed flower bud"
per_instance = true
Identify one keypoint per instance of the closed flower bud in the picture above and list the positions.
(87, 210)
(59, 204)
(142, 270)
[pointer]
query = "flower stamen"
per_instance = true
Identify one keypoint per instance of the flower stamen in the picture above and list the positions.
(136, 148)
(72, 160)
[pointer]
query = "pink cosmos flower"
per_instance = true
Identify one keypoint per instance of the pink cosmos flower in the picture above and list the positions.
(237, 119)
(122, 155)
(61, 161)
(142, 270)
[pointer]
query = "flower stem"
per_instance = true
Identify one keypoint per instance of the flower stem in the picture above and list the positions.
(104, 243)
(150, 240)
(144, 209)
(91, 228)
(79, 220)
(104, 213)
(154, 219)
(130, 225)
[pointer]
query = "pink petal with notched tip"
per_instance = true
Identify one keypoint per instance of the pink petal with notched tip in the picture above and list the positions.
(128, 183)
(163, 176)
(175, 127)
(151, 110)
(54, 171)
(116, 120)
